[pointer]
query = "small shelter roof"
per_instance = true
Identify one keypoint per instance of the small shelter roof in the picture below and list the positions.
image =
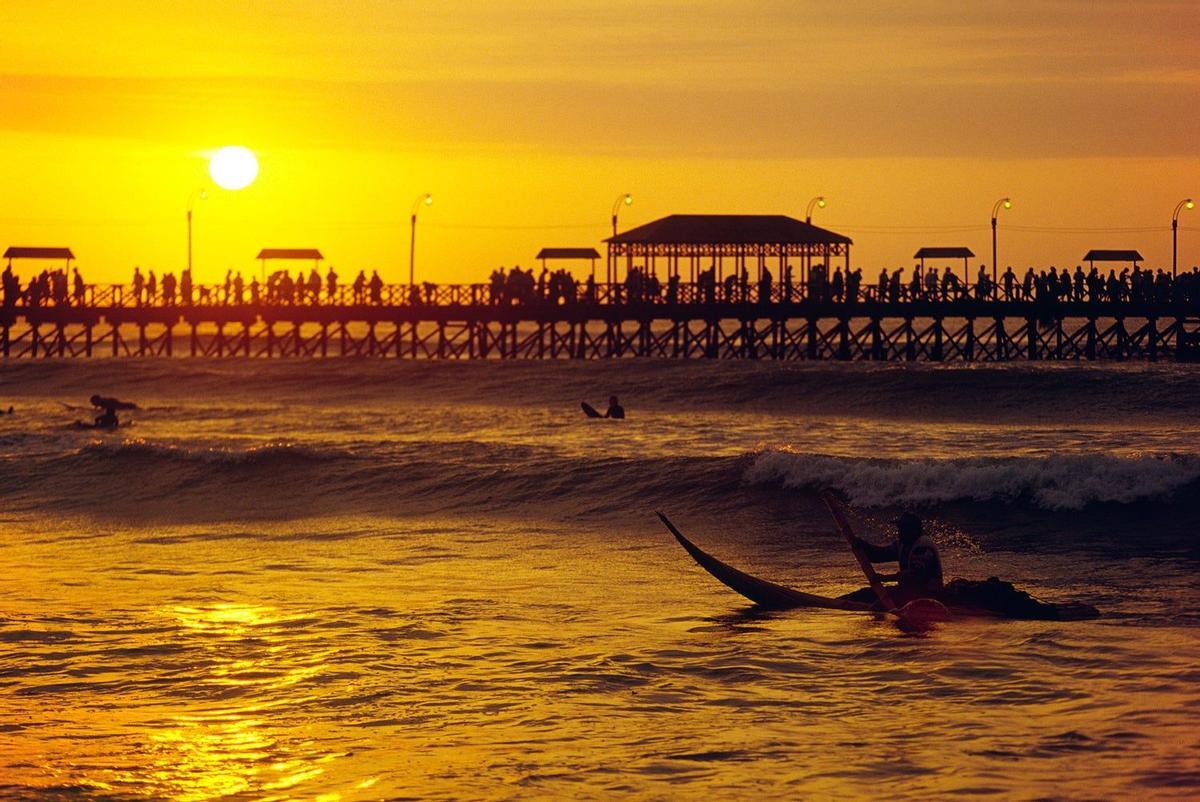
(289, 253)
(17, 252)
(944, 253)
(1112, 256)
(728, 229)
(568, 253)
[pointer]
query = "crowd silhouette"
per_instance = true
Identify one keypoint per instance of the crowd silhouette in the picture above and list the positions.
(520, 287)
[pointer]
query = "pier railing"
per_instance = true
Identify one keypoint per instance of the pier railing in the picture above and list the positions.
(729, 320)
(124, 296)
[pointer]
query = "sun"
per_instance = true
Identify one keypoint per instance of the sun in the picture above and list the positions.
(233, 167)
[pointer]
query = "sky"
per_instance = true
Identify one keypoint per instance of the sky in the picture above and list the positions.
(526, 120)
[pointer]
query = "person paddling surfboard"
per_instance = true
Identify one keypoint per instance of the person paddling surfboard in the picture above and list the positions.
(919, 562)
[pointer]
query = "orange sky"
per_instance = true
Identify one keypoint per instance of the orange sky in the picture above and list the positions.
(526, 122)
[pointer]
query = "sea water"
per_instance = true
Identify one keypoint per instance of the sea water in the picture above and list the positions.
(358, 580)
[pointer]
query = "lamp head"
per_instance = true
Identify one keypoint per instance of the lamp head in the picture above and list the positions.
(628, 199)
(428, 199)
(820, 203)
(1189, 203)
(1007, 203)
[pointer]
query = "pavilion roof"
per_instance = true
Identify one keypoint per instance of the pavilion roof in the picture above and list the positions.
(1112, 256)
(729, 229)
(944, 253)
(568, 253)
(289, 253)
(17, 252)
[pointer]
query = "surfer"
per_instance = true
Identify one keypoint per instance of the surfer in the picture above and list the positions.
(615, 410)
(108, 418)
(920, 564)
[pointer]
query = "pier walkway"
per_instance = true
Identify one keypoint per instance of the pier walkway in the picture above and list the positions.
(602, 321)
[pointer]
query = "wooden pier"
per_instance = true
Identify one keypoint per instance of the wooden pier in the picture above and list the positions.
(462, 322)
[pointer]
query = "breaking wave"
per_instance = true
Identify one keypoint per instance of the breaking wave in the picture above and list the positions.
(1058, 482)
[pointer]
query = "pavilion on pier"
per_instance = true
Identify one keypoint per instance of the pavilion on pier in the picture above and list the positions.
(1101, 255)
(686, 244)
(947, 253)
(302, 254)
(19, 252)
(587, 254)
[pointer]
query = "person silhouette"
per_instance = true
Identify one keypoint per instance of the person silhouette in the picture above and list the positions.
(108, 418)
(920, 563)
(615, 410)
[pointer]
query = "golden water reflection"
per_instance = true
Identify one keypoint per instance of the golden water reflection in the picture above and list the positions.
(243, 746)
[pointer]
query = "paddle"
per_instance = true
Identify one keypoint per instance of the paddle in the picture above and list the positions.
(835, 509)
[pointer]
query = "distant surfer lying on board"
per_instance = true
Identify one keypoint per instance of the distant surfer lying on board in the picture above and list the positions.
(107, 419)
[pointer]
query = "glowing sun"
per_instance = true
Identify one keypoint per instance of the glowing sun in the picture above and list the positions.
(233, 167)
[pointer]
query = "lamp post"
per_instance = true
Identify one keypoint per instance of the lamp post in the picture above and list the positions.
(199, 194)
(1003, 203)
(1186, 203)
(819, 202)
(626, 199)
(425, 199)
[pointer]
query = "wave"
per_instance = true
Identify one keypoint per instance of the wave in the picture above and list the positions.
(468, 477)
(984, 392)
(268, 454)
(1058, 482)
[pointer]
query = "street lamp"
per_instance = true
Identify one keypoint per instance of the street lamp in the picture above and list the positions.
(626, 199)
(819, 202)
(1003, 203)
(1186, 203)
(199, 194)
(426, 200)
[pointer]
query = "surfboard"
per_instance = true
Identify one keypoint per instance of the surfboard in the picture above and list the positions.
(917, 614)
(764, 593)
(79, 424)
(590, 410)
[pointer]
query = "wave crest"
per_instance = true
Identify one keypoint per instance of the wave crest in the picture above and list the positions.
(268, 453)
(1058, 482)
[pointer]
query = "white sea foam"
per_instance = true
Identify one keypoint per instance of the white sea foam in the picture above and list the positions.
(1061, 482)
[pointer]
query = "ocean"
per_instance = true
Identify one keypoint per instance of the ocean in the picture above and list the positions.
(356, 580)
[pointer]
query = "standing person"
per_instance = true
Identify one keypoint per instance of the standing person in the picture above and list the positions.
(314, 286)
(185, 287)
(931, 284)
(376, 287)
(138, 284)
(80, 289)
(12, 287)
(360, 282)
(331, 285)
(151, 288)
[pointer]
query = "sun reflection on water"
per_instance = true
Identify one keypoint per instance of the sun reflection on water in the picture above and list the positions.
(238, 748)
